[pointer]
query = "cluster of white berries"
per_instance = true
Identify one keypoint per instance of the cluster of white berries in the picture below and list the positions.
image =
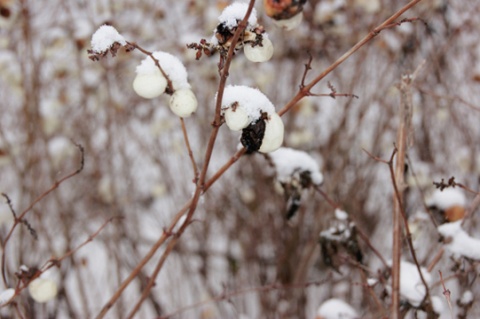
(243, 108)
(150, 82)
(255, 42)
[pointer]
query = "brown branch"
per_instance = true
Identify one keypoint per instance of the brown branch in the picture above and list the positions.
(56, 261)
(446, 293)
(389, 23)
(189, 149)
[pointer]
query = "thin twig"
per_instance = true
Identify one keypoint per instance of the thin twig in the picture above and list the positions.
(389, 23)
(228, 295)
(189, 149)
(446, 293)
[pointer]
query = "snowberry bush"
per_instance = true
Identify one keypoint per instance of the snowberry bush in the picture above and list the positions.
(239, 159)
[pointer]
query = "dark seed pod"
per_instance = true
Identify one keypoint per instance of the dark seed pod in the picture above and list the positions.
(252, 135)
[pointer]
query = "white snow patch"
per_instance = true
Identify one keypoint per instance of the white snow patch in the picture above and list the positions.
(467, 297)
(105, 37)
(341, 214)
(372, 281)
(459, 243)
(447, 198)
(6, 296)
(411, 285)
(235, 12)
(171, 65)
(288, 161)
(336, 309)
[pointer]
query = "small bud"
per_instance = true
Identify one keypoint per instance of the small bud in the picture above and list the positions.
(183, 102)
(273, 137)
(259, 53)
(150, 85)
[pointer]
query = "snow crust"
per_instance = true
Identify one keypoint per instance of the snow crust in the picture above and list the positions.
(105, 37)
(235, 12)
(288, 161)
(447, 198)
(172, 66)
(460, 243)
(336, 309)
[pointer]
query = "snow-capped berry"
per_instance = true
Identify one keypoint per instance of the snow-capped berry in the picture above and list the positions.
(149, 85)
(42, 289)
(236, 118)
(105, 37)
(171, 65)
(183, 102)
(291, 23)
(251, 100)
(259, 53)
(273, 137)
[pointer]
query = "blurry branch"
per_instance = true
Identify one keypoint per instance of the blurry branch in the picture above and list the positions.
(305, 88)
(435, 260)
(192, 204)
(452, 98)
(227, 295)
(397, 175)
(56, 261)
(20, 218)
(189, 149)
(26, 278)
(446, 293)
(425, 206)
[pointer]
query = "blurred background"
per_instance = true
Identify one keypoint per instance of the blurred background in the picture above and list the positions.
(137, 165)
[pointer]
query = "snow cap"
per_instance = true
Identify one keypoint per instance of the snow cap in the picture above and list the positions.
(170, 64)
(287, 161)
(236, 12)
(447, 198)
(336, 309)
(105, 37)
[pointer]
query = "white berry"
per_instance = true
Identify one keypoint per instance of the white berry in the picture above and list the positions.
(42, 289)
(259, 53)
(236, 118)
(183, 102)
(273, 137)
(150, 85)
